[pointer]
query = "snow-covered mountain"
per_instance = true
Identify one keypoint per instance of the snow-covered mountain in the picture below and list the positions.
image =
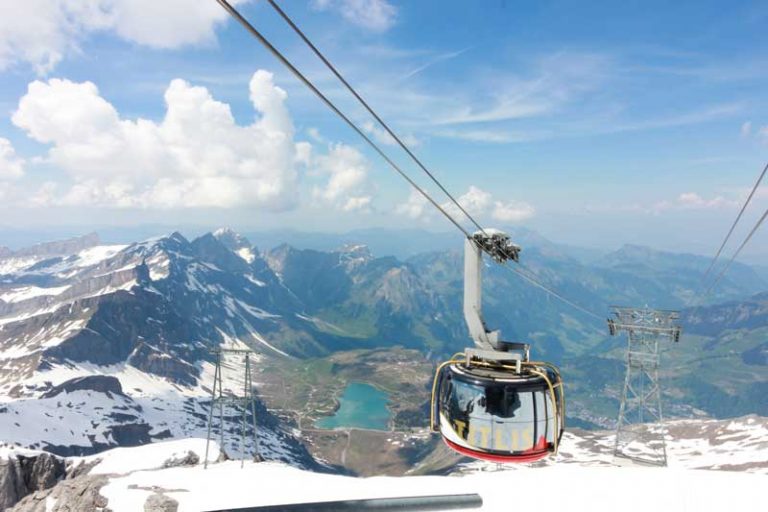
(116, 340)
(582, 477)
(103, 346)
(110, 345)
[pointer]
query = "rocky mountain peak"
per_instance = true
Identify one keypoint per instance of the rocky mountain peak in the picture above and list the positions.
(173, 242)
(355, 255)
(236, 243)
(210, 248)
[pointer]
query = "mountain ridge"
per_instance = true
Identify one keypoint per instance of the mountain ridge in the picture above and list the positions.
(159, 307)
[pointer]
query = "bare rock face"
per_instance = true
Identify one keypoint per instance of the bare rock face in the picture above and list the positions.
(160, 503)
(101, 383)
(42, 471)
(190, 459)
(79, 494)
(22, 475)
(12, 487)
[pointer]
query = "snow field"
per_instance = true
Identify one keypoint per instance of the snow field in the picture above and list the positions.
(568, 487)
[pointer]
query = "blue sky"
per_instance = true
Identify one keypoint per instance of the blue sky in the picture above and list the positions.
(599, 123)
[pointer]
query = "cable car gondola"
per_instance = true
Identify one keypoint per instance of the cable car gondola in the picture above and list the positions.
(492, 402)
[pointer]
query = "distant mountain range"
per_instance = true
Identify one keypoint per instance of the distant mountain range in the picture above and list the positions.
(145, 316)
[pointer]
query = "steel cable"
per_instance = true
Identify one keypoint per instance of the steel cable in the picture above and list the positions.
(743, 244)
(250, 28)
(370, 110)
(733, 226)
(530, 278)
(287, 63)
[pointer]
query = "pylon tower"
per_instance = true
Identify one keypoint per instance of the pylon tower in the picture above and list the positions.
(640, 429)
(237, 394)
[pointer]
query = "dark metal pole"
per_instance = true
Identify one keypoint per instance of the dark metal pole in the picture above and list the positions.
(221, 409)
(210, 412)
(409, 504)
(256, 454)
(244, 405)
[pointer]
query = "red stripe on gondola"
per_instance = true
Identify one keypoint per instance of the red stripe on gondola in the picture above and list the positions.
(532, 455)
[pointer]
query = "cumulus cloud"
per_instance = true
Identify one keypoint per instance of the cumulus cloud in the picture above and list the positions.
(346, 170)
(512, 211)
(479, 203)
(415, 207)
(475, 201)
(11, 165)
(374, 15)
(196, 156)
(746, 129)
(43, 32)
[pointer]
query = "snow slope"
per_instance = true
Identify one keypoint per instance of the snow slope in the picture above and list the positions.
(568, 486)
(738, 444)
(139, 324)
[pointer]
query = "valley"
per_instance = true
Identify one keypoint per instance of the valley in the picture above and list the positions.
(148, 315)
(304, 392)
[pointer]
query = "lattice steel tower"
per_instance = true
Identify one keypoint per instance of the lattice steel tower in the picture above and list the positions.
(235, 391)
(640, 429)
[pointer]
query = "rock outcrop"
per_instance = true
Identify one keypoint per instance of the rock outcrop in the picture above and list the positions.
(79, 494)
(101, 383)
(21, 475)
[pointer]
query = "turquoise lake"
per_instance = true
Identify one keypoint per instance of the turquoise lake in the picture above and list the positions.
(361, 406)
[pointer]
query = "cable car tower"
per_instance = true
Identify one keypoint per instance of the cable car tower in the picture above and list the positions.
(640, 428)
(237, 394)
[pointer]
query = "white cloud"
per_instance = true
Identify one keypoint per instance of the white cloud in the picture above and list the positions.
(558, 79)
(196, 156)
(695, 201)
(375, 15)
(381, 136)
(762, 134)
(11, 165)
(357, 203)
(415, 207)
(689, 201)
(512, 211)
(43, 32)
(431, 62)
(314, 134)
(490, 136)
(475, 201)
(347, 171)
(478, 203)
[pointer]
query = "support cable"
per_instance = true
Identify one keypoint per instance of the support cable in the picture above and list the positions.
(370, 110)
(733, 226)
(255, 33)
(528, 276)
(743, 244)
